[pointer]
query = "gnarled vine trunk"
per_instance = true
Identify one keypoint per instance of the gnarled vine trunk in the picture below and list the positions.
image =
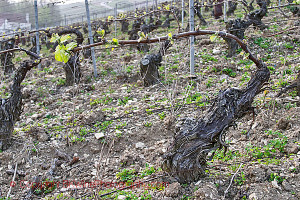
(294, 84)
(197, 8)
(124, 25)
(218, 11)
(167, 23)
(6, 58)
(11, 108)
(133, 35)
(294, 9)
(232, 7)
(72, 67)
(150, 63)
(238, 27)
(186, 156)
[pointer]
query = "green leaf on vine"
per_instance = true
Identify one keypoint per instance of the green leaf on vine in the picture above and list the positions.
(65, 38)
(61, 55)
(115, 41)
(71, 46)
(101, 32)
(55, 37)
(213, 38)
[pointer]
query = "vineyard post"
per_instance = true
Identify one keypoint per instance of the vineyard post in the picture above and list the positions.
(153, 4)
(116, 18)
(91, 36)
(65, 20)
(146, 11)
(182, 13)
(192, 38)
(225, 4)
(37, 34)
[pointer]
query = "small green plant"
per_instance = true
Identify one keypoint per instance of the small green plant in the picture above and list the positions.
(147, 124)
(245, 77)
(124, 101)
(62, 52)
(271, 68)
(44, 187)
(275, 176)
(162, 115)
(129, 69)
(148, 171)
(209, 82)
(145, 195)
(240, 180)
(61, 81)
(106, 100)
(272, 147)
(262, 42)
(229, 72)
(230, 155)
(126, 175)
(208, 58)
(288, 46)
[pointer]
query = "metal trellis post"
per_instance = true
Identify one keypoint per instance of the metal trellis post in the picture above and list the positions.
(146, 11)
(37, 28)
(91, 36)
(116, 12)
(192, 38)
(182, 13)
(225, 11)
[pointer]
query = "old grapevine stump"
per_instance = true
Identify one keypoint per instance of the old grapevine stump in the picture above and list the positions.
(6, 58)
(150, 63)
(72, 67)
(238, 27)
(232, 7)
(295, 84)
(197, 8)
(149, 69)
(11, 108)
(186, 156)
(218, 11)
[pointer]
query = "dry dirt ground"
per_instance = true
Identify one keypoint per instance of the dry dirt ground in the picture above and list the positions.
(86, 140)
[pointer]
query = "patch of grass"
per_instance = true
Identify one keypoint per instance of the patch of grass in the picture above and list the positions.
(209, 82)
(162, 115)
(126, 175)
(106, 100)
(241, 179)
(262, 42)
(271, 148)
(208, 58)
(230, 155)
(275, 176)
(124, 101)
(229, 72)
(147, 124)
(147, 171)
(129, 69)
